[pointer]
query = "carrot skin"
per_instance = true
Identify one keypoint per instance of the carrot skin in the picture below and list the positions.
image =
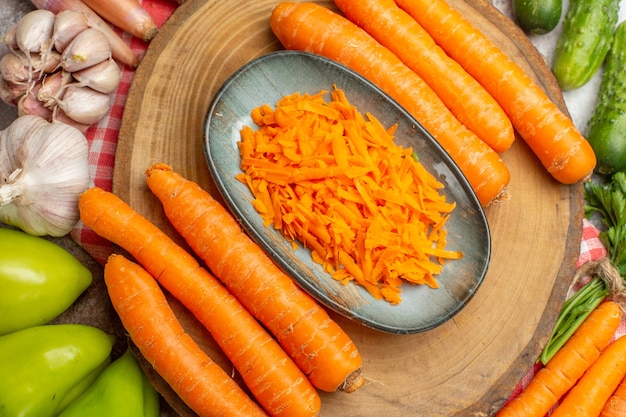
(272, 377)
(588, 397)
(549, 132)
(319, 346)
(127, 15)
(120, 50)
(566, 367)
(616, 404)
(313, 28)
(462, 94)
(152, 325)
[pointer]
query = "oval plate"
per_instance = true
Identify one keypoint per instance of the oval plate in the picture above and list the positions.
(270, 77)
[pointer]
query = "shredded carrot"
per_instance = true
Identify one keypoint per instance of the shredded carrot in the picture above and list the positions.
(334, 180)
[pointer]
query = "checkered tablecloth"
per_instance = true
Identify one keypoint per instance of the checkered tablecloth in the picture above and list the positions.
(103, 136)
(103, 141)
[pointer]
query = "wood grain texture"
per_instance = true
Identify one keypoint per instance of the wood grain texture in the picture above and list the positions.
(468, 366)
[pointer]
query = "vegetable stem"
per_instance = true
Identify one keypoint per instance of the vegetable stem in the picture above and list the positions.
(574, 311)
(607, 200)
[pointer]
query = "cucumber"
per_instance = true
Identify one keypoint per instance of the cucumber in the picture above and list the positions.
(537, 17)
(606, 131)
(586, 38)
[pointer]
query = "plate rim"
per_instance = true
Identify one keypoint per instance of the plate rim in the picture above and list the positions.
(277, 254)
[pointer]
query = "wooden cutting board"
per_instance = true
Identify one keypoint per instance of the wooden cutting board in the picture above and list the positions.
(468, 366)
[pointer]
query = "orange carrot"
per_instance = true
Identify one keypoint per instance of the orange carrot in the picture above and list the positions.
(272, 377)
(327, 176)
(120, 50)
(593, 390)
(567, 366)
(549, 132)
(616, 405)
(152, 325)
(316, 343)
(314, 28)
(462, 94)
(127, 15)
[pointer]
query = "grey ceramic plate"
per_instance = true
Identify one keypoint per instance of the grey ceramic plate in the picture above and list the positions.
(272, 76)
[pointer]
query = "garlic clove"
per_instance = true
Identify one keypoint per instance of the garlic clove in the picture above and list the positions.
(34, 30)
(30, 104)
(59, 116)
(103, 77)
(43, 170)
(52, 88)
(7, 95)
(14, 68)
(45, 62)
(9, 38)
(88, 48)
(84, 105)
(68, 24)
(11, 93)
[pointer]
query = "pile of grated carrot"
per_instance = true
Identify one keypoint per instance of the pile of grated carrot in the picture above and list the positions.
(335, 181)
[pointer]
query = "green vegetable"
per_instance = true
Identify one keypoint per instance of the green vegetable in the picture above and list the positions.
(586, 38)
(45, 368)
(121, 390)
(537, 17)
(39, 280)
(607, 126)
(609, 202)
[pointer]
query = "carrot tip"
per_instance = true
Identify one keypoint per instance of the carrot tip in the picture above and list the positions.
(159, 166)
(150, 33)
(353, 382)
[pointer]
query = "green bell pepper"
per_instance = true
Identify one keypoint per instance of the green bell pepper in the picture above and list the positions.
(45, 368)
(121, 390)
(39, 280)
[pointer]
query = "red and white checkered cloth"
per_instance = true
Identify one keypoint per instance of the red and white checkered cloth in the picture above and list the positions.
(103, 137)
(103, 142)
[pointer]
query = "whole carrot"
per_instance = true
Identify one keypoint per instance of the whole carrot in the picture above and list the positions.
(270, 374)
(566, 367)
(127, 15)
(616, 404)
(315, 342)
(593, 390)
(120, 50)
(313, 28)
(152, 325)
(461, 93)
(549, 132)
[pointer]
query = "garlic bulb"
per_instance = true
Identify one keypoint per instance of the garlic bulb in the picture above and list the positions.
(67, 25)
(52, 88)
(84, 104)
(103, 77)
(14, 69)
(29, 104)
(43, 170)
(89, 47)
(34, 31)
(43, 45)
